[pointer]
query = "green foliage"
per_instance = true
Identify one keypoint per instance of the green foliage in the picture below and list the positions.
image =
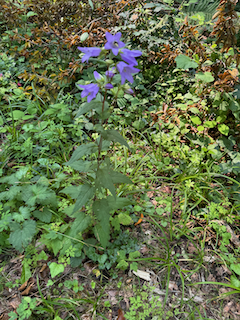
(145, 304)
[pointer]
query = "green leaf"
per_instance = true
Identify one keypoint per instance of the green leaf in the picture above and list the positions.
(210, 124)
(85, 194)
(104, 180)
(80, 224)
(86, 107)
(31, 13)
(72, 191)
(117, 203)
(81, 165)
(235, 268)
(56, 269)
(223, 129)
(124, 219)
(200, 128)
(184, 62)
(17, 114)
(22, 235)
(83, 150)
(26, 272)
(38, 194)
(113, 135)
(134, 255)
(84, 36)
(196, 120)
(118, 177)
(91, 4)
(44, 215)
(102, 228)
(122, 265)
(234, 281)
(205, 77)
(134, 266)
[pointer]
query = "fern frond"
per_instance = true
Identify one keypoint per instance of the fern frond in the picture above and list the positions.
(207, 7)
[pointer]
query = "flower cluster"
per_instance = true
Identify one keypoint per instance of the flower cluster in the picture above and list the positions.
(126, 68)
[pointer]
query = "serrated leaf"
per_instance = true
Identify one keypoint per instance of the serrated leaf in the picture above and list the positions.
(117, 203)
(56, 269)
(235, 268)
(104, 180)
(83, 150)
(223, 129)
(81, 165)
(184, 62)
(86, 107)
(80, 224)
(85, 194)
(124, 219)
(22, 235)
(102, 228)
(118, 177)
(72, 191)
(113, 135)
(44, 215)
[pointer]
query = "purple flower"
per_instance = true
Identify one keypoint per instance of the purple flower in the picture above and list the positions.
(129, 56)
(89, 52)
(129, 91)
(96, 75)
(126, 71)
(90, 90)
(108, 86)
(110, 73)
(114, 43)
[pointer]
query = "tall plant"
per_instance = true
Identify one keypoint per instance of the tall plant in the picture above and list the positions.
(98, 192)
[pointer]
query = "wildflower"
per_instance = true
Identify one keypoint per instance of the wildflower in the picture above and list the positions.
(108, 86)
(129, 56)
(97, 76)
(126, 71)
(114, 43)
(89, 90)
(110, 73)
(89, 52)
(129, 91)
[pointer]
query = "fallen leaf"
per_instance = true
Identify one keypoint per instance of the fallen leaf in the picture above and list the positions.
(142, 274)
(120, 315)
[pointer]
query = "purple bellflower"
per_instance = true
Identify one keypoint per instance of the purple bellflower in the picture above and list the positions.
(108, 86)
(129, 56)
(126, 71)
(90, 90)
(110, 73)
(114, 43)
(89, 52)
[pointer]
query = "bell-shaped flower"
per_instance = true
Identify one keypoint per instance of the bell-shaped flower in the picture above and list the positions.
(108, 86)
(113, 42)
(89, 90)
(126, 71)
(89, 52)
(110, 73)
(129, 56)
